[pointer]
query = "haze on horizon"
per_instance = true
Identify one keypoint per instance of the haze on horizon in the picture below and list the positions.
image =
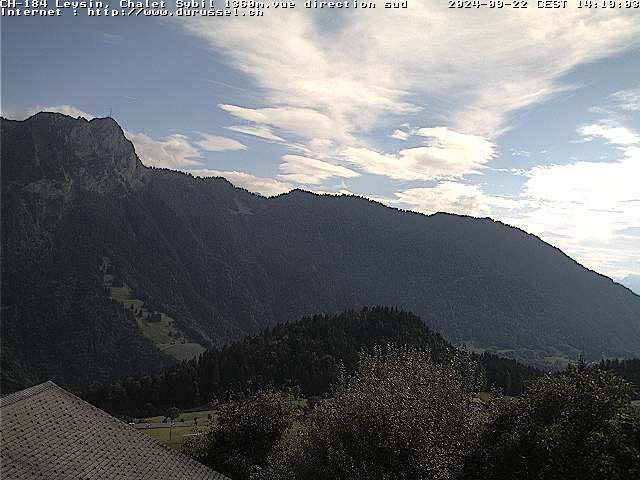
(530, 117)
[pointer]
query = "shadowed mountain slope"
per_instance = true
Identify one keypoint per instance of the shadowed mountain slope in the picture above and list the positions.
(111, 268)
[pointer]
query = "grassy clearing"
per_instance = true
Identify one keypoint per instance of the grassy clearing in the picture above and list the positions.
(177, 437)
(552, 359)
(161, 333)
(183, 351)
(173, 438)
(169, 339)
(201, 415)
(164, 333)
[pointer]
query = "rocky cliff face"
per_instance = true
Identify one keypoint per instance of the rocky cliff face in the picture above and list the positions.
(49, 160)
(52, 153)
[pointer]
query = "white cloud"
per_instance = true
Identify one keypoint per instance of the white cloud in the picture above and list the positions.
(399, 135)
(261, 132)
(214, 143)
(262, 185)
(472, 71)
(452, 197)
(628, 100)
(612, 134)
(174, 151)
(305, 170)
(619, 105)
(446, 154)
(312, 88)
(303, 122)
(586, 200)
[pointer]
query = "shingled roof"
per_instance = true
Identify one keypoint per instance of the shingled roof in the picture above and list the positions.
(49, 433)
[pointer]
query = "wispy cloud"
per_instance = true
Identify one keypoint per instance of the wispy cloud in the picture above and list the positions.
(628, 100)
(453, 197)
(261, 132)
(215, 143)
(445, 154)
(379, 65)
(302, 122)
(307, 171)
(325, 90)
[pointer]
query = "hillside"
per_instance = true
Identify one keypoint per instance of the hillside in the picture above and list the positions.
(310, 355)
(111, 268)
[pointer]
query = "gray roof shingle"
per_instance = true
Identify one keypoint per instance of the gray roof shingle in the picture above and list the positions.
(49, 433)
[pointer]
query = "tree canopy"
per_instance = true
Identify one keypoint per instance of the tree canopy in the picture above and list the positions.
(579, 425)
(309, 354)
(403, 416)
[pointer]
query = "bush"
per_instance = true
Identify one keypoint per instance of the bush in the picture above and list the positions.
(578, 425)
(400, 417)
(244, 435)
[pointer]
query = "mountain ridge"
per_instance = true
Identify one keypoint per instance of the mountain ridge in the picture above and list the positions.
(216, 262)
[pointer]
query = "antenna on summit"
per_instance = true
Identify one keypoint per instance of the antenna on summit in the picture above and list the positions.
(110, 113)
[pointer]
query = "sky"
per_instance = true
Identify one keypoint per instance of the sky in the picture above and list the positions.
(528, 116)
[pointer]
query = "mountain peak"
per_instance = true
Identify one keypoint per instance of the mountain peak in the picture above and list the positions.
(64, 151)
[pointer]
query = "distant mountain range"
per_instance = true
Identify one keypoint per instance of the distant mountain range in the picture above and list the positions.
(111, 268)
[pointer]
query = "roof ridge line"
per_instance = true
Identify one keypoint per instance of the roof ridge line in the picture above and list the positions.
(14, 397)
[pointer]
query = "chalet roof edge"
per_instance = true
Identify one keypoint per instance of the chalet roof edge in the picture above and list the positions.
(34, 445)
(15, 397)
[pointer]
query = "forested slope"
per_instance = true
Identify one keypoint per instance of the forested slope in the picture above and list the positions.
(309, 355)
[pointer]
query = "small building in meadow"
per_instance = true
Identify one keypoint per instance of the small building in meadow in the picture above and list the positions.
(48, 433)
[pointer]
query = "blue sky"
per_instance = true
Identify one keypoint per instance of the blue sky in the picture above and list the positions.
(530, 117)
